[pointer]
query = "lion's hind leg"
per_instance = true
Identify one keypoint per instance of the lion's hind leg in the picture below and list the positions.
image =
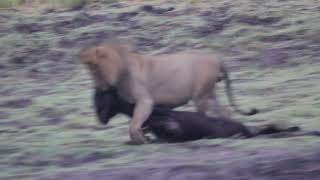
(209, 104)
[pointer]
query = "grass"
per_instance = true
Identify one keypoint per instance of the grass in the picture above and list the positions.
(69, 4)
(288, 93)
(10, 3)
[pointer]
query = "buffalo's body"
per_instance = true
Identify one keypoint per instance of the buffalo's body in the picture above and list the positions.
(178, 126)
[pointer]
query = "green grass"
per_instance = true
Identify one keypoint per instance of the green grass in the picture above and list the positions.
(68, 4)
(51, 3)
(10, 3)
(287, 94)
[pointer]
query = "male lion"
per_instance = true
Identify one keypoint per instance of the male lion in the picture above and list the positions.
(169, 80)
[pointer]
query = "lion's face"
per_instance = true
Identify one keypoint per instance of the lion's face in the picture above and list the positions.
(105, 64)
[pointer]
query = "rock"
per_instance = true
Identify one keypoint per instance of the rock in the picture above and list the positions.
(151, 9)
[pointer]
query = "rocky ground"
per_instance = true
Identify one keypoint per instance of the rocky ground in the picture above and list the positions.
(47, 125)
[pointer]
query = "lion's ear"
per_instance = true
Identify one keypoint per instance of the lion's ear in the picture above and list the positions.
(88, 56)
(101, 53)
(125, 48)
(128, 48)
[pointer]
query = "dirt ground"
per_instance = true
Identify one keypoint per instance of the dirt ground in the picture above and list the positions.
(48, 128)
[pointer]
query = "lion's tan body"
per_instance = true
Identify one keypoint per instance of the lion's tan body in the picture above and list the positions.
(169, 79)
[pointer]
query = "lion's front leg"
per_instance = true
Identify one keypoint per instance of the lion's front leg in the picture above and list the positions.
(142, 111)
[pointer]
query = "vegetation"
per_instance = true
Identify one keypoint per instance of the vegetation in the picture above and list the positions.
(10, 3)
(70, 4)
(47, 124)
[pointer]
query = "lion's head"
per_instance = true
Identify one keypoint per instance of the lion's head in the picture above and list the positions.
(106, 62)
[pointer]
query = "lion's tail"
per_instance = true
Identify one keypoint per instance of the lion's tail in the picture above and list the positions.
(230, 94)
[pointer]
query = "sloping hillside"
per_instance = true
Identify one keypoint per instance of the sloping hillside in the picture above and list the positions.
(47, 125)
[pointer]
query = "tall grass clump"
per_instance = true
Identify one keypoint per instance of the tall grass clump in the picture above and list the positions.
(10, 3)
(68, 4)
